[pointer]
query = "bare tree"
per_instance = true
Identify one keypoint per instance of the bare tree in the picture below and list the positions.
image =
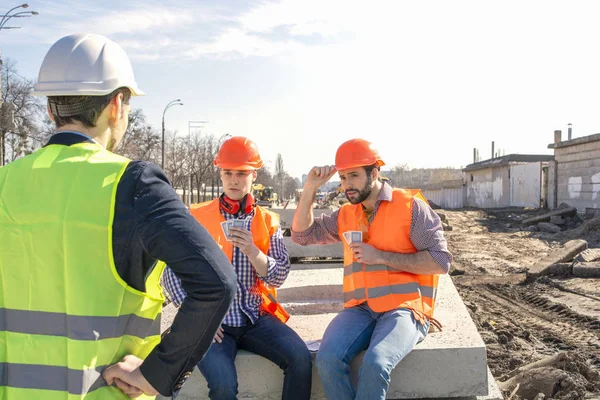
(279, 175)
(265, 178)
(141, 141)
(290, 186)
(204, 174)
(28, 113)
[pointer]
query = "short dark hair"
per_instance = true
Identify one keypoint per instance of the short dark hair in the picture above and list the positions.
(92, 107)
(370, 168)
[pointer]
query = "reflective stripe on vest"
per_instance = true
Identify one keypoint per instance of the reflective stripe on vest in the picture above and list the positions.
(48, 377)
(385, 288)
(65, 313)
(77, 327)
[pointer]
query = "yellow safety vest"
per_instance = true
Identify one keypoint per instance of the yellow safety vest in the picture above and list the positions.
(65, 313)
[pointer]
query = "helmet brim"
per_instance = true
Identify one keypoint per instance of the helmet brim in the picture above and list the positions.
(39, 90)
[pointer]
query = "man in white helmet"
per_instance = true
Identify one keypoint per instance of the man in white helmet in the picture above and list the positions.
(84, 235)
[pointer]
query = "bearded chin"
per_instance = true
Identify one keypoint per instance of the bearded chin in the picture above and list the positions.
(363, 193)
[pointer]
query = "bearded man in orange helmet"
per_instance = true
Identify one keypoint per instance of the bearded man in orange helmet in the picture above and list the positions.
(394, 250)
(251, 238)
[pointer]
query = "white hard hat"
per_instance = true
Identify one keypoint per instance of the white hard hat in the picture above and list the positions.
(85, 65)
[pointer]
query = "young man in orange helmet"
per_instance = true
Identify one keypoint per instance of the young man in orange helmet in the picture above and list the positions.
(394, 249)
(259, 257)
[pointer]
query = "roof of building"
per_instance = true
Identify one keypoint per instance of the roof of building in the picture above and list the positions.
(507, 160)
(574, 142)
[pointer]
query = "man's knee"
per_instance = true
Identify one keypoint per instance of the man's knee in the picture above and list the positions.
(301, 361)
(223, 392)
(223, 387)
(375, 365)
(326, 359)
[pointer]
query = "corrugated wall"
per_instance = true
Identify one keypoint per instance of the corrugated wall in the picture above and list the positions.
(449, 198)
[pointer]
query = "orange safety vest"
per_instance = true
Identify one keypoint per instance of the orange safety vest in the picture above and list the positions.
(264, 225)
(382, 287)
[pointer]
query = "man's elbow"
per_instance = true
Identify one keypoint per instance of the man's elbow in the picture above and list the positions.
(444, 268)
(224, 280)
(298, 238)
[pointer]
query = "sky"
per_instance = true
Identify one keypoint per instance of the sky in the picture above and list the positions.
(425, 82)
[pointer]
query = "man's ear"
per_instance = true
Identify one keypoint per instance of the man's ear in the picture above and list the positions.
(115, 107)
(375, 174)
(254, 175)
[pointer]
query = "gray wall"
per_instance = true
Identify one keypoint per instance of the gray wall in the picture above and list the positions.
(579, 175)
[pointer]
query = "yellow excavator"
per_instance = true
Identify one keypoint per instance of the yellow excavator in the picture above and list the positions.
(264, 195)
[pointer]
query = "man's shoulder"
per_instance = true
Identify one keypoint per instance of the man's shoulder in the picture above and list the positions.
(270, 217)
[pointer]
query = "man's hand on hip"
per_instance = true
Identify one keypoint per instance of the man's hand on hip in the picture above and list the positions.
(126, 376)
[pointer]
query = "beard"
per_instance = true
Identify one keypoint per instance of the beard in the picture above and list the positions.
(362, 193)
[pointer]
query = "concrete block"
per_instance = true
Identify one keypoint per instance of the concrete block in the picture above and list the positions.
(286, 216)
(548, 227)
(559, 269)
(546, 217)
(454, 360)
(567, 253)
(586, 269)
(588, 255)
(557, 220)
(335, 250)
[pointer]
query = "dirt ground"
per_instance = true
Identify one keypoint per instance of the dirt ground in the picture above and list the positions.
(522, 323)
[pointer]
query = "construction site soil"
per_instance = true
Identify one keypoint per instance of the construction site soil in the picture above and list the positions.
(542, 336)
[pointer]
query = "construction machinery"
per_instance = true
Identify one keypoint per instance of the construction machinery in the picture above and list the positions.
(264, 195)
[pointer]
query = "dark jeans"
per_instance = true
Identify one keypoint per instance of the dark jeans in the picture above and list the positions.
(269, 338)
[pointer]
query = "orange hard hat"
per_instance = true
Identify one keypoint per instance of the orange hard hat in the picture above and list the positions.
(238, 153)
(356, 153)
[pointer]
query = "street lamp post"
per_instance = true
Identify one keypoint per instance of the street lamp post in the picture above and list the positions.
(3, 110)
(172, 103)
(22, 14)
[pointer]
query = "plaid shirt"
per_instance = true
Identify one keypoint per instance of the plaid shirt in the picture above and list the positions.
(247, 299)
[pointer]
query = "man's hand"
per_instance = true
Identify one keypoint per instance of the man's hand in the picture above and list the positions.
(242, 239)
(126, 376)
(365, 253)
(318, 176)
(219, 335)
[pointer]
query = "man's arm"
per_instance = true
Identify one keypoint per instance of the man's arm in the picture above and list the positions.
(323, 230)
(419, 263)
(426, 234)
(169, 233)
(305, 228)
(278, 261)
(316, 177)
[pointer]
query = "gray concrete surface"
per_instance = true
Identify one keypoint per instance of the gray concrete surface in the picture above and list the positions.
(286, 216)
(335, 250)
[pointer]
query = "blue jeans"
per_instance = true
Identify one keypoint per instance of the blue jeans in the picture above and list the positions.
(387, 338)
(269, 338)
